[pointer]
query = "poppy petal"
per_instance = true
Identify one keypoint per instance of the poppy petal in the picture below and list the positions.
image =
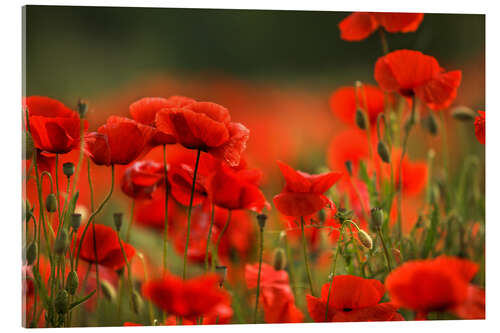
(357, 26)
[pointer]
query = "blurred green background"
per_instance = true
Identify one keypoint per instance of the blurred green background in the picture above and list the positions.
(88, 51)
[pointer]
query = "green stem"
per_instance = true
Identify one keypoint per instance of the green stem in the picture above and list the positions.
(333, 269)
(383, 40)
(306, 257)
(261, 250)
(57, 188)
(189, 214)
(386, 252)
(165, 230)
(80, 156)
(216, 251)
(209, 237)
(129, 227)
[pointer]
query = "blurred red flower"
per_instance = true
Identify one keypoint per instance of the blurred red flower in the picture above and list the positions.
(414, 173)
(303, 192)
(119, 141)
(479, 126)
(206, 126)
(349, 145)
(360, 25)
(412, 73)
(276, 295)
(352, 298)
(190, 299)
(369, 98)
(440, 284)
(142, 178)
(109, 252)
(54, 127)
(144, 111)
(151, 213)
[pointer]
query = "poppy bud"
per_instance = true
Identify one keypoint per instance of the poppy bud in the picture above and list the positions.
(68, 169)
(108, 290)
(156, 322)
(31, 253)
(348, 166)
(29, 146)
(377, 215)
(72, 282)
(28, 211)
(82, 108)
(261, 219)
(51, 203)
(61, 302)
(360, 119)
(76, 220)
(279, 259)
(61, 242)
(463, 113)
(430, 123)
(135, 302)
(383, 152)
(342, 214)
(365, 239)
(118, 219)
(397, 255)
(221, 272)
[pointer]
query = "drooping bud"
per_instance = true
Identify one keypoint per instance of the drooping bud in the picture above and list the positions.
(118, 220)
(72, 282)
(108, 290)
(31, 253)
(29, 148)
(28, 211)
(377, 218)
(76, 220)
(135, 302)
(82, 108)
(430, 123)
(348, 166)
(279, 259)
(383, 152)
(61, 242)
(365, 239)
(61, 302)
(221, 272)
(463, 113)
(360, 119)
(261, 220)
(68, 169)
(51, 203)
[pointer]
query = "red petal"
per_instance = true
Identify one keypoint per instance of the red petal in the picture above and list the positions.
(231, 150)
(144, 110)
(474, 305)
(353, 292)
(97, 147)
(379, 312)
(299, 204)
(357, 26)
(479, 127)
(399, 22)
(295, 181)
(440, 92)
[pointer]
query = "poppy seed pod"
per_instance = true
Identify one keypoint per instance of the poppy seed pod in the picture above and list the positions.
(261, 219)
(377, 218)
(51, 203)
(365, 239)
(360, 119)
(68, 169)
(348, 166)
(82, 108)
(463, 113)
(279, 259)
(61, 242)
(383, 152)
(31, 253)
(118, 220)
(29, 146)
(72, 282)
(61, 302)
(136, 302)
(108, 290)
(76, 220)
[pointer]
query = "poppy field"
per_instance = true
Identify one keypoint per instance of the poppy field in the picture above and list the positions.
(211, 201)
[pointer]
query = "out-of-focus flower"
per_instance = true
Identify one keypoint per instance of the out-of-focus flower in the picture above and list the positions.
(412, 73)
(359, 25)
(303, 194)
(109, 252)
(414, 173)
(479, 127)
(349, 145)
(352, 298)
(119, 141)
(151, 213)
(142, 178)
(190, 299)
(54, 127)
(440, 284)
(205, 126)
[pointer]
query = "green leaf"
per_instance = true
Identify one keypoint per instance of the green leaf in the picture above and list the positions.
(41, 288)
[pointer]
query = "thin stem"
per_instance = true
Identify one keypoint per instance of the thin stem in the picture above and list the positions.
(150, 306)
(129, 227)
(165, 230)
(216, 251)
(261, 250)
(383, 40)
(333, 269)
(386, 252)
(306, 257)
(189, 214)
(80, 156)
(209, 237)
(57, 188)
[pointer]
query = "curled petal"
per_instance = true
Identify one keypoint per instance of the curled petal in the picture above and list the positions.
(357, 26)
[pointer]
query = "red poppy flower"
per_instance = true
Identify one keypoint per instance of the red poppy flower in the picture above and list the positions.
(206, 126)
(277, 298)
(360, 25)
(370, 99)
(352, 298)
(200, 296)
(479, 127)
(141, 179)
(232, 188)
(109, 252)
(412, 73)
(180, 177)
(144, 111)
(151, 213)
(119, 141)
(414, 173)
(440, 284)
(128, 323)
(349, 145)
(303, 193)
(54, 127)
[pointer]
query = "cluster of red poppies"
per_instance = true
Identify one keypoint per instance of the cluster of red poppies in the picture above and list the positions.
(202, 199)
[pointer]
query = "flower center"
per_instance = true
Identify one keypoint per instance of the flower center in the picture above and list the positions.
(347, 309)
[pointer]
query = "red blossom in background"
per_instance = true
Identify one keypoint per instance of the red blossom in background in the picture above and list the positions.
(359, 25)
(142, 178)
(151, 213)
(479, 127)
(414, 173)
(412, 73)
(54, 127)
(352, 298)
(441, 284)
(180, 177)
